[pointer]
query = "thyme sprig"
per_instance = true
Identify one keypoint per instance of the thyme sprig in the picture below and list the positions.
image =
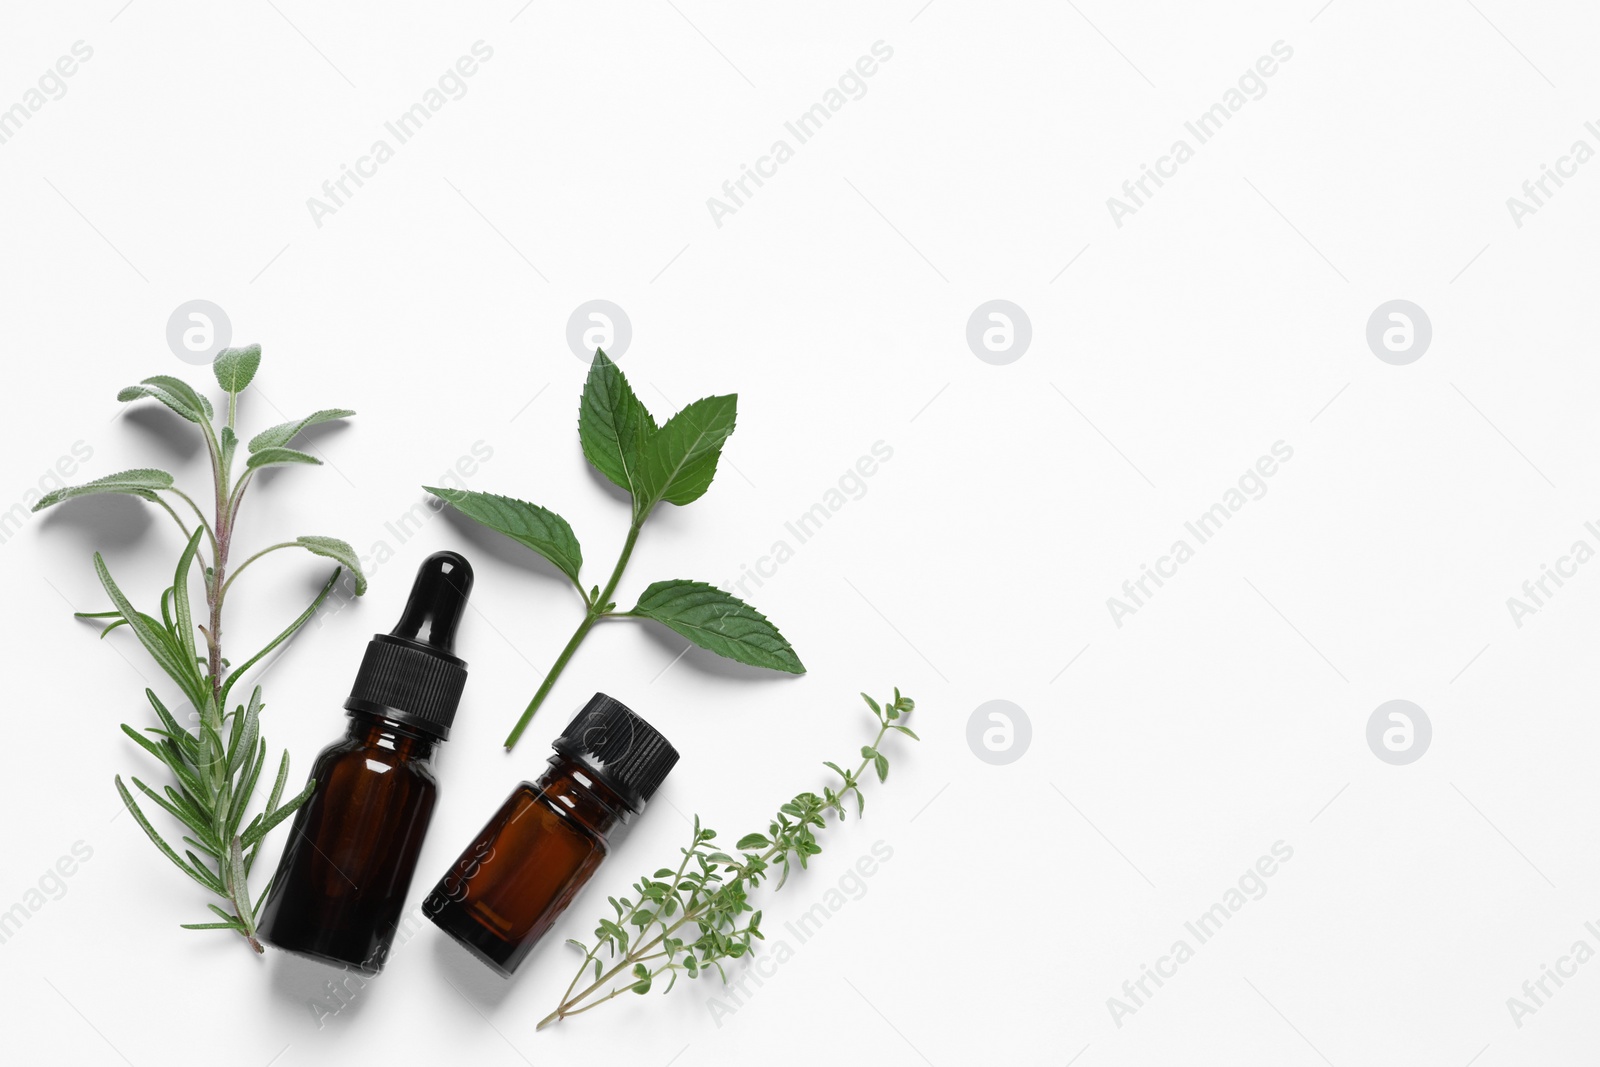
(215, 779)
(692, 918)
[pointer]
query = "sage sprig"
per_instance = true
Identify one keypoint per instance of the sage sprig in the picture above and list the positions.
(692, 918)
(673, 462)
(216, 767)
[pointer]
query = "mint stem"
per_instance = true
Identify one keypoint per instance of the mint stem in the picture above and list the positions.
(598, 610)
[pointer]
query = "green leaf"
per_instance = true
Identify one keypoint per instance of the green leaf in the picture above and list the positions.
(184, 812)
(238, 885)
(679, 460)
(182, 390)
(142, 482)
(174, 393)
(242, 738)
(272, 798)
(288, 631)
(750, 841)
(881, 763)
(527, 524)
(262, 824)
(274, 457)
(150, 831)
(234, 367)
(613, 424)
(183, 624)
(720, 622)
(230, 445)
(156, 640)
(337, 550)
(183, 738)
(281, 434)
(241, 796)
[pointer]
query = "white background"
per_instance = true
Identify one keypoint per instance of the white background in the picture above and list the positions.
(1168, 354)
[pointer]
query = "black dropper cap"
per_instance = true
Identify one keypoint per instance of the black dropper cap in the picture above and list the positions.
(625, 752)
(412, 674)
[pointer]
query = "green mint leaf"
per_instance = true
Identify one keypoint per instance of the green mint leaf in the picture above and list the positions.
(338, 551)
(143, 482)
(281, 434)
(720, 622)
(527, 524)
(276, 457)
(680, 459)
(613, 424)
(234, 367)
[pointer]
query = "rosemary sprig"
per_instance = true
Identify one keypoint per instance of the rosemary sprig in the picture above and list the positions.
(214, 778)
(692, 918)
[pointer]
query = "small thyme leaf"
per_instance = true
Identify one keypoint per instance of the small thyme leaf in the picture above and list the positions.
(706, 917)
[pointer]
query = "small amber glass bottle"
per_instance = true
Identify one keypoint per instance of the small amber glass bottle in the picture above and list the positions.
(341, 884)
(549, 836)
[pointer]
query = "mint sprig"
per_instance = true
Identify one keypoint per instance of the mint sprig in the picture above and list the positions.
(675, 463)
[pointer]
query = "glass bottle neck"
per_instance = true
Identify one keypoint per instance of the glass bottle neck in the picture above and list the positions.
(375, 731)
(578, 792)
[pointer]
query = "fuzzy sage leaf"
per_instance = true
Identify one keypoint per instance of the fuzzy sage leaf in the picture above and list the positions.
(144, 482)
(281, 434)
(235, 367)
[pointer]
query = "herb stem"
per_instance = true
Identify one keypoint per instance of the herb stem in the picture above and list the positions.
(168, 509)
(598, 609)
(643, 950)
(187, 499)
(252, 559)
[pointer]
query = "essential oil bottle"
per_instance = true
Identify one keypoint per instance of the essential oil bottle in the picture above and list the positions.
(341, 884)
(549, 836)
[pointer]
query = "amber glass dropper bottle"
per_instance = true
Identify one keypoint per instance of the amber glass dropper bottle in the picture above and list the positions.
(549, 836)
(341, 884)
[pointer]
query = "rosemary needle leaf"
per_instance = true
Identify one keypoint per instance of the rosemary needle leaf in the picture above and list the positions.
(215, 765)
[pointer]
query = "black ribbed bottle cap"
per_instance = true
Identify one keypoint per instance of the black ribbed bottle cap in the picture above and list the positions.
(625, 752)
(412, 674)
